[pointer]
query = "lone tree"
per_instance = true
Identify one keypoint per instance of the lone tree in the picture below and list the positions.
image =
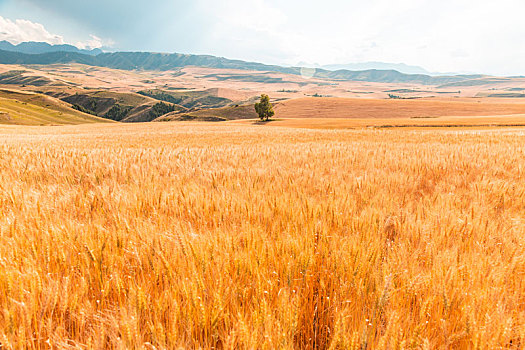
(264, 108)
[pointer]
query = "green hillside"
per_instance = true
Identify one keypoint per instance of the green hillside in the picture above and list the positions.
(125, 107)
(189, 99)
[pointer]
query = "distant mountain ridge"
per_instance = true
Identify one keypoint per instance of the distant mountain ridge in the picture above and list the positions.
(33, 47)
(163, 61)
(400, 67)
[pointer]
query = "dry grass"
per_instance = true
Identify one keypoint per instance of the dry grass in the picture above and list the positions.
(25, 108)
(315, 107)
(170, 235)
(360, 123)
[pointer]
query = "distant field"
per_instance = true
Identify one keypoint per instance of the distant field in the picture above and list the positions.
(63, 77)
(231, 236)
(315, 107)
(357, 113)
(19, 107)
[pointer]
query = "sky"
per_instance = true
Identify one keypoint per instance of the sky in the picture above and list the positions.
(481, 36)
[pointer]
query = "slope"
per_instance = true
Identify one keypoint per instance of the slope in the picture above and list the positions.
(189, 99)
(126, 107)
(212, 114)
(25, 108)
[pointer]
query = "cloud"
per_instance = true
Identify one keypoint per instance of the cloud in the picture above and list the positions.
(22, 30)
(153, 25)
(94, 43)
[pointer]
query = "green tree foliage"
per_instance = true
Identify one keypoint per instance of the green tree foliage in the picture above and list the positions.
(264, 108)
(82, 109)
(189, 99)
(161, 108)
(161, 96)
(118, 112)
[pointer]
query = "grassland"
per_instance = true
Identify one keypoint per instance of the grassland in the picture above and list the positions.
(198, 235)
(218, 114)
(24, 108)
(119, 106)
(340, 113)
(430, 122)
(312, 107)
(18, 77)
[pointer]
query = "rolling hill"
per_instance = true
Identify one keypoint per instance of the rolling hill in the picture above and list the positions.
(18, 77)
(31, 78)
(25, 108)
(125, 107)
(212, 114)
(162, 61)
(189, 99)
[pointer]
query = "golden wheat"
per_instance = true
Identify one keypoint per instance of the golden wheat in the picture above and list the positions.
(219, 236)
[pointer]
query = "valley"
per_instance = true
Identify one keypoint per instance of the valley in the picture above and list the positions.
(218, 94)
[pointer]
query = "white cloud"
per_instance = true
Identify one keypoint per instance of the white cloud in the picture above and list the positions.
(94, 43)
(22, 30)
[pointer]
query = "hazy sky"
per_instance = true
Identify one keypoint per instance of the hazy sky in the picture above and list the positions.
(441, 35)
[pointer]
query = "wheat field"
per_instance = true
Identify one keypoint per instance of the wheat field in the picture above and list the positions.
(221, 236)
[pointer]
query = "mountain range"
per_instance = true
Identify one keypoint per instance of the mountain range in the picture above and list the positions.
(41, 47)
(64, 54)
